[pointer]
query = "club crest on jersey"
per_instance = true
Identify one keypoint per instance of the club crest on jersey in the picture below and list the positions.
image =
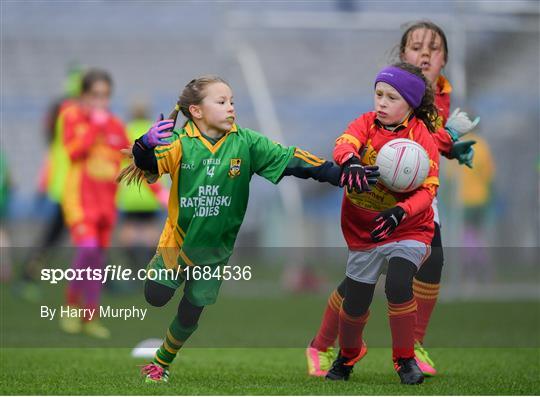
(369, 154)
(234, 168)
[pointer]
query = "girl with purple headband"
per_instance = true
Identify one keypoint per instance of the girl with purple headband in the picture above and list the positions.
(423, 44)
(385, 231)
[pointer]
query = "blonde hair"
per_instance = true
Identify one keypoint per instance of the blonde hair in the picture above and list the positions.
(192, 94)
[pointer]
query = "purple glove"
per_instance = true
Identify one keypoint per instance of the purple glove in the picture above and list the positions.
(157, 134)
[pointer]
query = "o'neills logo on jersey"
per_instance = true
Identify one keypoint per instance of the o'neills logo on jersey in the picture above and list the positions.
(234, 168)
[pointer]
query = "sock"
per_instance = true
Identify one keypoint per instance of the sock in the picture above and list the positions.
(350, 333)
(174, 340)
(75, 287)
(328, 331)
(426, 295)
(402, 317)
(92, 292)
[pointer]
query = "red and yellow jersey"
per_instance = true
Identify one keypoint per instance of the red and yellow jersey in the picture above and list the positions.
(95, 160)
(442, 102)
(363, 138)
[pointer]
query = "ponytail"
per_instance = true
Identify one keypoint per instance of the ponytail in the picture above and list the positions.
(427, 111)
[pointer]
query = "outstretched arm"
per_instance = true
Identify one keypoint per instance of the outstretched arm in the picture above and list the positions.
(447, 138)
(305, 165)
(274, 161)
(144, 158)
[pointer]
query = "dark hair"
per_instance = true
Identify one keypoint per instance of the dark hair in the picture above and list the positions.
(423, 25)
(92, 76)
(426, 111)
(192, 94)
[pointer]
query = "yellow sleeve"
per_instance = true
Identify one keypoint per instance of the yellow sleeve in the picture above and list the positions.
(168, 157)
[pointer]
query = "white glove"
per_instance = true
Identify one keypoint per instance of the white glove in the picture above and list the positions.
(459, 124)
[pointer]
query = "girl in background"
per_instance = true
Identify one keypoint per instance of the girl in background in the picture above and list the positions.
(93, 138)
(424, 44)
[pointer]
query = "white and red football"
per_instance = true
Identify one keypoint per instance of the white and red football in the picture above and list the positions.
(403, 164)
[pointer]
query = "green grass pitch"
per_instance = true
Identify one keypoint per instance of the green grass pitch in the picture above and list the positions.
(480, 348)
(201, 371)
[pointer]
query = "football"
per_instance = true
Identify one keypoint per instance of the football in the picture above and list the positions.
(403, 164)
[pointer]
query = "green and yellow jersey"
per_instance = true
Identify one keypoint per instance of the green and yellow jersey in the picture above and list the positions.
(210, 188)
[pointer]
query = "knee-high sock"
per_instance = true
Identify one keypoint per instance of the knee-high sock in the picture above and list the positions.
(93, 287)
(426, 295)
(350, 333)
(75, 288)
(176, 336)
(402, 318)
(328, 331)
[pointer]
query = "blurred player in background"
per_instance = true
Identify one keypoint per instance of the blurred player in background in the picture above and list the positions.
(210, 161)
(93, 138)
(424, 45)
(5, 242)
(140, 206)
(51, 185)
(476, 194)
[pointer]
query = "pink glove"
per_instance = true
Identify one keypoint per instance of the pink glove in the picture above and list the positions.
(157, 134)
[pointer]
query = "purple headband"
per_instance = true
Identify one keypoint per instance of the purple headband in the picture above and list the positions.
(410, 86)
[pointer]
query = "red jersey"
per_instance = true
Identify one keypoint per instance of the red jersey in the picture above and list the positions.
(95, 160)
(363, 138)
(442, 102)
